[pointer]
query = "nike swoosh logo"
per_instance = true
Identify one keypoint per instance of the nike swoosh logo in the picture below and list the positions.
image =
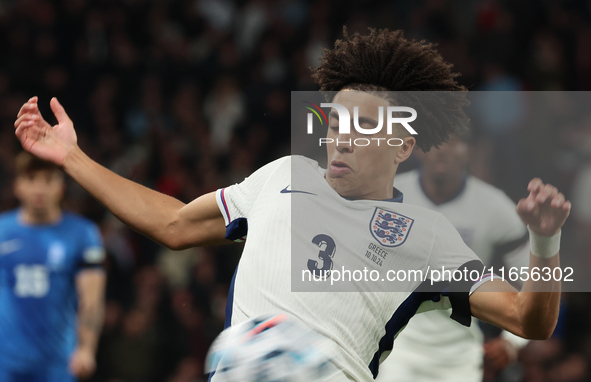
(10, 246)
(286, 191)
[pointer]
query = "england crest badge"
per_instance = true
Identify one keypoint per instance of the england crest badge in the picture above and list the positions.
(389, 228)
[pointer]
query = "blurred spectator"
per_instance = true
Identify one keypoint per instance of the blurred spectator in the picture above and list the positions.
(224, 109)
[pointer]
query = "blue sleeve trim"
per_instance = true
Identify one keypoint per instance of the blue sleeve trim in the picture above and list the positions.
(230, 301)
(237, 229)
(401, 317)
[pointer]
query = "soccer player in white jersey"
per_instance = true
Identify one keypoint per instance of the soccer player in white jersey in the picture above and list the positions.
(485, 218)
(357, 184)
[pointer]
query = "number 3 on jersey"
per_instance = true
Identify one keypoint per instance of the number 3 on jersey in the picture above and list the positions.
(327, 250)
(31, 281)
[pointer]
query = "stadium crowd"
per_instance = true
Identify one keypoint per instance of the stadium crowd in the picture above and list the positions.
(187, 96)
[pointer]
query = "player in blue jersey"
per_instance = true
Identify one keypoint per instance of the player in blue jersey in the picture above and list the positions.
(51, 282)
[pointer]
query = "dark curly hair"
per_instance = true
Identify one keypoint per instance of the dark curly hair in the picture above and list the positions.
(386, 61)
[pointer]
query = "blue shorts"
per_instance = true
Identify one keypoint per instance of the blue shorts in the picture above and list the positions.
(50, 375)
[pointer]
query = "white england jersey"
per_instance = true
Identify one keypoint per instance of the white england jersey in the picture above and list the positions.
(336, 233)
(486, 219)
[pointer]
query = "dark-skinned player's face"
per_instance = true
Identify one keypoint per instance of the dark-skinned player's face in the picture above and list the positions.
(358, 171)
(40, 190)
(450, 161)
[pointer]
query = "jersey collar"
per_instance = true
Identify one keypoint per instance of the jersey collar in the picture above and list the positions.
(398, 196)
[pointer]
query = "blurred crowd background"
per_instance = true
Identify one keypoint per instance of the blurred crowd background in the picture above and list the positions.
(186, 96)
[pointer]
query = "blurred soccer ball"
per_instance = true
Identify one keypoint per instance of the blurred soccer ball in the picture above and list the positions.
(270, 348)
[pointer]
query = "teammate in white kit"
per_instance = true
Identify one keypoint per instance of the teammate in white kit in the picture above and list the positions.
(485, 218)
(357, 186)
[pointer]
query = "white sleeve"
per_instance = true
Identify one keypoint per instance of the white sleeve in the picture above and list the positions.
(511, 242)
(514, 340)
(449, 250)
(450, 253)
(510, 226)
(237, 201)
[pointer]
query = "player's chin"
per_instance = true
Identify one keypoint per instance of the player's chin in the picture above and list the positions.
(440, 172)
(342, 185)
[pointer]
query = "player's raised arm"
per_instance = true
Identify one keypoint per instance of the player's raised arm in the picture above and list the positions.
(533, 312)
(164, 219)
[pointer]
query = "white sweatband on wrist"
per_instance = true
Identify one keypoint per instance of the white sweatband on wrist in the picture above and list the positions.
(544, 246)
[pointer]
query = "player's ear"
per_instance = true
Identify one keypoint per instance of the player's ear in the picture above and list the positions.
(405, 149)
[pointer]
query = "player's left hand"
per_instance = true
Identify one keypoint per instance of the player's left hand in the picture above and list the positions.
(545, 209)
(500, 353)
(82, 363)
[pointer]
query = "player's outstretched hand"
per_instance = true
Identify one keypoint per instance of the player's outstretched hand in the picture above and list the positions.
(82, 363)
(51, 143)
(545, 209)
